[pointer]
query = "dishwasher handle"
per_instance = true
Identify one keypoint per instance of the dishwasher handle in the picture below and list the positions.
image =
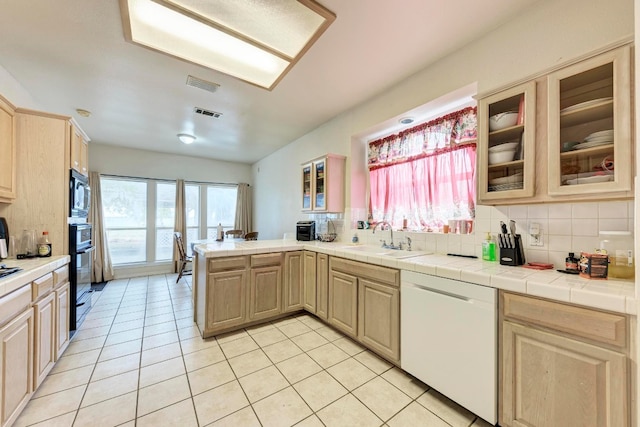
(437, 291)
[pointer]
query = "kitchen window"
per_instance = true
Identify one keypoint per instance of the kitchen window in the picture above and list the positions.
(125, 211)
(139, 216)
(207, 206)
(426, 174)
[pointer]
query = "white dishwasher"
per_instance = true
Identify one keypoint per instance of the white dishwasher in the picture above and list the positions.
(448, 334)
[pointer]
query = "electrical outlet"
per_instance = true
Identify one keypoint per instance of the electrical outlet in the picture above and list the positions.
(536, 240)
(536, 234)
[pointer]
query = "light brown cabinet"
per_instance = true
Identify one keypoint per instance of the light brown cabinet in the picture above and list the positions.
(79, 159)
(45, 338)
(343, 301)
(237, 291)
(8, 150)
(379, 317)
(322, 286)
(293, 281)
(226, 301)
(31, 339)
(226, 294)
(42, 149)
(590, 126)
(512, 176)
(310, 280)
(265, 292)
(62, 304)
(16, 365)
(562, 365)
(579, 118)
(364, 302)
(323, 184)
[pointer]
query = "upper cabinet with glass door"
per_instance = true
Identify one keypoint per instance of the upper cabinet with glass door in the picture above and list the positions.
(589, 126)
(323, 184)
(506, 144)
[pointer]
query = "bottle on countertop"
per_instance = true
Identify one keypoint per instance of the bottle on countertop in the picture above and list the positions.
(489, 249)
(618, 245)
(571, 262)
(44, 245)
(220, 233)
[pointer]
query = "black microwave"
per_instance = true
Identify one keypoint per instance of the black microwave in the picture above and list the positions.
(306, 231)
(79, 195)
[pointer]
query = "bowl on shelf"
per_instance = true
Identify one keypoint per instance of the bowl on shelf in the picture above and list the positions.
(501, 156)
(503, 120)
(504, 147)
(509, 179)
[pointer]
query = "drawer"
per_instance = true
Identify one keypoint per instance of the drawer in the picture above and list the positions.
(263, 260)
(227, 263)
(14, 303)
(607, 328)
(41, 286)
(60, 276)
(384, 275)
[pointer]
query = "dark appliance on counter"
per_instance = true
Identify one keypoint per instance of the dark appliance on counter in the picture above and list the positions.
(4, 237)
(305, 231)
(79, 195)
(81, 253)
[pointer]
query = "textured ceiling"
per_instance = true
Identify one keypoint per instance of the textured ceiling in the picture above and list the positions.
(72, 54)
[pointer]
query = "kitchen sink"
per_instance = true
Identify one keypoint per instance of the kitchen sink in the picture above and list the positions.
(379, 251)
(400, 254)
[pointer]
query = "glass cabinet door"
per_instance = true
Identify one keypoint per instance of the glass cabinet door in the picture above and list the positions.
(589, 126)
(319, 185)
(306, 187)
(506, 145)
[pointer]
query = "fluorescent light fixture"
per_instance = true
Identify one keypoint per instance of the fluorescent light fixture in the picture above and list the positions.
(185, 138)
(253, 40)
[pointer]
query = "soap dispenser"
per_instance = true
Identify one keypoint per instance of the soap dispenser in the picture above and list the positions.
(489, 248)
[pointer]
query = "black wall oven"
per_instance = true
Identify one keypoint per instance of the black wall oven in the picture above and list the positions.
(81, 253)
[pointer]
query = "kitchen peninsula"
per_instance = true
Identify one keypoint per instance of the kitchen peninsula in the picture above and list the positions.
(569, 326)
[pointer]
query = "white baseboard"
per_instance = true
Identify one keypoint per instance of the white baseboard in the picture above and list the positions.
(129, 271)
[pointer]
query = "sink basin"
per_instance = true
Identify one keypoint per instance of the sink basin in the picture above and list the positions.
(367, 249)
(399, 254)
(379, 251)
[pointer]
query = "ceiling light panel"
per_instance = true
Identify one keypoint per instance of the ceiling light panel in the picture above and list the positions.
(283, 25)
(256, 41)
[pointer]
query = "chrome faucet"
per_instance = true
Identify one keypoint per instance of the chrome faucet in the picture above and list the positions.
(384, 244)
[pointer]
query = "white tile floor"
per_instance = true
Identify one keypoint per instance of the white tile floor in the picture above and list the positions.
(138, 360)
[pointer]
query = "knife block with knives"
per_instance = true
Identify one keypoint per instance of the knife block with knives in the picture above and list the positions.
(510, 244)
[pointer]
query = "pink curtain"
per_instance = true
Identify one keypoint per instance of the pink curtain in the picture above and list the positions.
(427, 191)
(426, 182)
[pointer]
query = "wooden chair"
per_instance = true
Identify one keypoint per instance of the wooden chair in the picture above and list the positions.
(251, 236)
(184, 258)
(234, 233)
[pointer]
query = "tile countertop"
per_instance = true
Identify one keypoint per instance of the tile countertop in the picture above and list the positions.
(31, 270)
(613, 295)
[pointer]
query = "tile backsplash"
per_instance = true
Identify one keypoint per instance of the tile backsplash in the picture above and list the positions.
(565, 227)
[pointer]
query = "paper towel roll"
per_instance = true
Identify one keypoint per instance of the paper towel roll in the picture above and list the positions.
(3, 248)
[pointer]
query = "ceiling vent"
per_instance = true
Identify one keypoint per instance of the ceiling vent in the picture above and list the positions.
(204, 112)
(202, 84)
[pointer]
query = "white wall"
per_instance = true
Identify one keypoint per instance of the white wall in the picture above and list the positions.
(549, 33)
(113, 160)
(15, 93)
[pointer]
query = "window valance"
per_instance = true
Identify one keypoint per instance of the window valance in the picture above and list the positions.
(433, 137)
